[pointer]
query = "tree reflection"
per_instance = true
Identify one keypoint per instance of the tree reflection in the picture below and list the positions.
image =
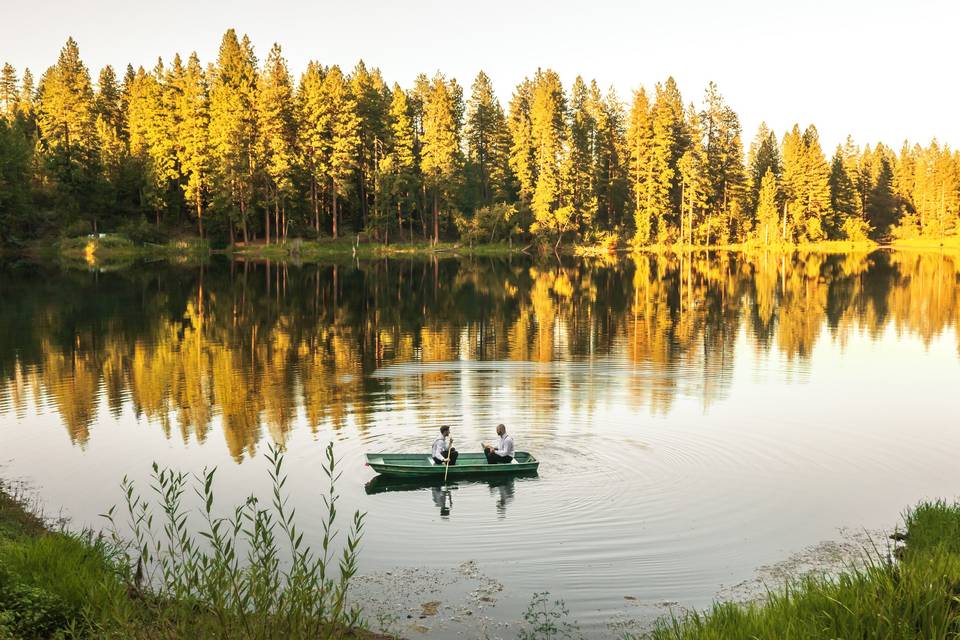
(251, 348)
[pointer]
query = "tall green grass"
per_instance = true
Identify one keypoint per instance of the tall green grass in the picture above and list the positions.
(243, 573)
(916, 597)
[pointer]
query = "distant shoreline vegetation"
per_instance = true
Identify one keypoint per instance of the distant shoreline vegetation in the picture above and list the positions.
(239, 151)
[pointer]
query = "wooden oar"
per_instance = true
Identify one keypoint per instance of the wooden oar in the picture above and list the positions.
(446, 467)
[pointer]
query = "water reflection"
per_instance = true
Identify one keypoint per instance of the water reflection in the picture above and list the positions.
(254, 348)
(502, 489)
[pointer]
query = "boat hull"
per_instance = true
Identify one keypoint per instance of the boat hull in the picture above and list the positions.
(420, 465)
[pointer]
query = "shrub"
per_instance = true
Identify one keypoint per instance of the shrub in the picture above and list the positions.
(495, 223)
(29, 611)
(908, 228)
(76, 229)
(856, 229)
(141, 232)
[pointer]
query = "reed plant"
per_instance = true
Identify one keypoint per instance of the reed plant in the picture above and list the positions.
(246, 574)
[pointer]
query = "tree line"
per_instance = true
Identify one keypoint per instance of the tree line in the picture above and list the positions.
(246, 152)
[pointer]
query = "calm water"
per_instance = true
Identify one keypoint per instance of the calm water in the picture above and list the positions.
(696, 419)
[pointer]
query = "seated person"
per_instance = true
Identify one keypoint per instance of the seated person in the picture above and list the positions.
(503, 452)
(441, 451)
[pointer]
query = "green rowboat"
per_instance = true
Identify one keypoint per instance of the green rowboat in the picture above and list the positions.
(408, 465)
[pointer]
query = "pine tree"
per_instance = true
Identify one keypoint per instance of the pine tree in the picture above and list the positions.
(27, 101)
(110, 126)
(152, 143)
(441, 143)
(609, 154)
(487, 142)
(551, 214)
(695, 187)
(764, 155)
(276, 130)
(806, 186)
(578, 169)
(768, 209)
(341, 138)
(666, 149)
(193, 149)
(15, 169)
(68, 130)
(399, 166)
(881, 203)
(311, 133)
(725, 172)
(107, 102)
(372, 103)
(9, 91)
(640, 147)
(233, 130)
(843, 193)
(522, 151)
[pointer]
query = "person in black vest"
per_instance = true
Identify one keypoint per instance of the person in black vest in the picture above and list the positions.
(442, 450)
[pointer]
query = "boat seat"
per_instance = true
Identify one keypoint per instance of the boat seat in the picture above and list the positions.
(431, 460)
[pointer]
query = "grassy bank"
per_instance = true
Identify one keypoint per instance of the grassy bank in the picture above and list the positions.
(245, 574)
(825, 246)
(915, 597)
(950, 243)
(114, 250)
(329, 249)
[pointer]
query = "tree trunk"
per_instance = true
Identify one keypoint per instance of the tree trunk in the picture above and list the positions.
(316, 205)
(399, 222)
(436, 217)
(334, 210)
(276, 219)
(200, 216)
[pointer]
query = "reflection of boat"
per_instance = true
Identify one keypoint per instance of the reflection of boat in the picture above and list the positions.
(501, 488)
(407, 465)
(383, 484)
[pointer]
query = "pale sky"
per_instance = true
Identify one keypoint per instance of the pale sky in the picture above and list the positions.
(880, 70)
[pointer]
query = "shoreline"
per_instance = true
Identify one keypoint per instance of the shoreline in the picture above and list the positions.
(117, 251)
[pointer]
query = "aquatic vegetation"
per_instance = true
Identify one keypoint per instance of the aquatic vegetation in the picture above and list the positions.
(547, 619)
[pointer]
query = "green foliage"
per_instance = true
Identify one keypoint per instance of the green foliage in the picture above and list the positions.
(913, 598)
(233, 148)
(141, 232)
(249, 571)
(246, 574)
(440, 155)
(495, 223)
(488, 144)
(28, 612)
(547, 619)
(76, 229)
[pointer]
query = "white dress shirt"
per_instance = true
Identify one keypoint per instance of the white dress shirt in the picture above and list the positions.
(439, 447)
(505, 448)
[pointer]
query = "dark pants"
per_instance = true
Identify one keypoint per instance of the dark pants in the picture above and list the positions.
(494, 458)
(452, 454)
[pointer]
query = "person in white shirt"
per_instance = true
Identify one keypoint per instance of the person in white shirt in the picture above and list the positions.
(503, 452)
(441, 450)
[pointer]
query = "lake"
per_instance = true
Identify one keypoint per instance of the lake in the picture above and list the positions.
(700, 420)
